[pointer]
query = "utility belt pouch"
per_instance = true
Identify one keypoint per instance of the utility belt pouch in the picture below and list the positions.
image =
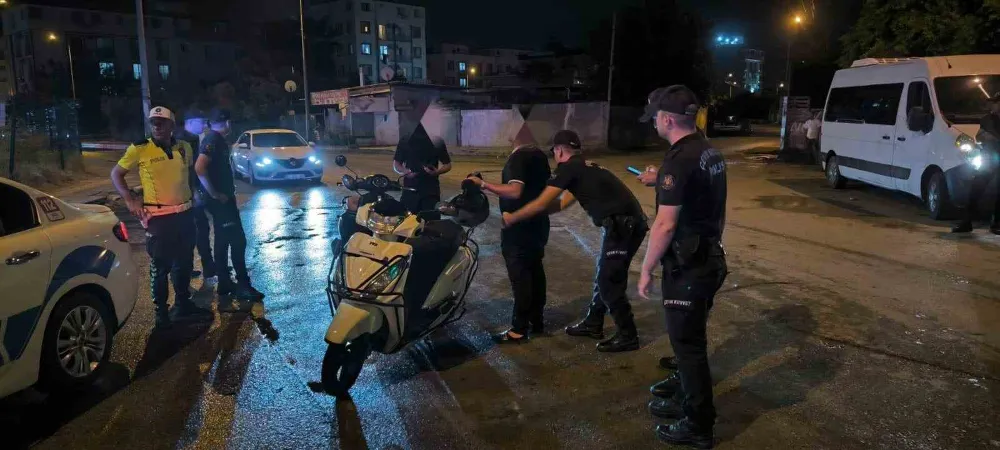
(687, 251)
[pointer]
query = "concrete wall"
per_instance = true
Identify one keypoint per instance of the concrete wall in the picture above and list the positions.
(589, 120)
(387, 128)
(490, 127)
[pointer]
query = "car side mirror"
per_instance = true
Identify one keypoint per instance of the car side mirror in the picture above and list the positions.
(312, 144)
(243, 145)
(340, 160)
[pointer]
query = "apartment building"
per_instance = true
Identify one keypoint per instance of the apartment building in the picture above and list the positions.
(367, 42)
(458, 65)
(181, 51)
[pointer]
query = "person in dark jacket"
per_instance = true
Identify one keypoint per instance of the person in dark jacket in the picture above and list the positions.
(989, 136)
(421, 160)
(195, 126)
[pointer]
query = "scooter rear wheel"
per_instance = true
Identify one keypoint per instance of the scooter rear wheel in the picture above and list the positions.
(342, 364)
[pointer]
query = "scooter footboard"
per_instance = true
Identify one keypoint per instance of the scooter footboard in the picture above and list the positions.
(350, 322)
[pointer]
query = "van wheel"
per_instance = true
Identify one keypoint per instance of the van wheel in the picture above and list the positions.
(342, 365)
(833, 176)
(937, 198)
(77, 344)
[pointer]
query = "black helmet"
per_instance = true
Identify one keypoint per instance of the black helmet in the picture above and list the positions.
(470, 208)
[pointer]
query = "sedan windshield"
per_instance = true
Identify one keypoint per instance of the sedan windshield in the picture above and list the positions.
(270, 140)
(963, 100)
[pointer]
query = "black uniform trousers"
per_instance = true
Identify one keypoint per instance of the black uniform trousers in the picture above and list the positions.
(688, 296)
(425, 198)
(170, 244)
(622, 236)
(523, 250)
(202, 240)
(978, 188)
(229, 238)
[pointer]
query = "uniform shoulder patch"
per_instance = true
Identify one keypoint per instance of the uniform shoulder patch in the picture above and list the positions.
(668, 182)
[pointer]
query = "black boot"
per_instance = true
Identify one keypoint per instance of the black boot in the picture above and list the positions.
(186, 309)
(244, 291)
(163, 319)
(964, 226)
(588, 327)
(685, 432)
(668, 387)
(226, 285)
(668, 362)
(622, 341)
(666, 408)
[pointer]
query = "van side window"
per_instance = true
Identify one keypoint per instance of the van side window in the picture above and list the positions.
(918, 96)
(876, 104)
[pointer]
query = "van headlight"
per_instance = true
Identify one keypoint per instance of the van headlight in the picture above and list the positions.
(384, 279)
(383, 224)
(965, 143)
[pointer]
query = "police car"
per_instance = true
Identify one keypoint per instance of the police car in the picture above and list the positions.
(67, 284)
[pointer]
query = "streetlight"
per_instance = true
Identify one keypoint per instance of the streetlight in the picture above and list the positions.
(796, 22)
(52, 37)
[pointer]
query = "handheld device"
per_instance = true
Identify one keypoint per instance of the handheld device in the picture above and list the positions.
(634, 171)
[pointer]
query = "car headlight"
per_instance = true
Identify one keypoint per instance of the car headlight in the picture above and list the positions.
(313, 159)
(264, 162)
(383, 224)
(384, 279)
(965, 143)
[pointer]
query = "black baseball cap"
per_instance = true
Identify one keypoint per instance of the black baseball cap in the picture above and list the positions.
(677, 99)
(995, 97)
(566, 137)
(194, 113)
(219, 115)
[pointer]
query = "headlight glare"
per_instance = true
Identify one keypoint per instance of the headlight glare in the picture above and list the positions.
(264, 162)
(383, 224)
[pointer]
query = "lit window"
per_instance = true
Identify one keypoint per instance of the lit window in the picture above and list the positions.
(383, 50)
(366, 27)
(461, 66)
(350, 49)
(381, 32)
(107, 69)
(164, 71)
(463, 82)
(136, 71)
(418, 52)
(366, 48)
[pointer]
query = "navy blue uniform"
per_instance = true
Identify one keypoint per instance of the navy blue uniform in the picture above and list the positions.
(229, 233)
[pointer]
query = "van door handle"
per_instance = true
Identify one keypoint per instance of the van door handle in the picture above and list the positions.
(901, 139)
(22, 257)
(886, 137)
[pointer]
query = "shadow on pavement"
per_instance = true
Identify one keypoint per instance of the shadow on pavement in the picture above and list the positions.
(349, 432)
(793, 367)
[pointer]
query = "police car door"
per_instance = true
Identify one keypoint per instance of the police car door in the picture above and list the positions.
(25, 254)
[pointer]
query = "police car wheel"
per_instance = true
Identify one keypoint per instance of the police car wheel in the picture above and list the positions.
(342, 365)
(77, 344)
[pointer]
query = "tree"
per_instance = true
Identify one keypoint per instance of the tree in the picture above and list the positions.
(898, 28)
(657, 44)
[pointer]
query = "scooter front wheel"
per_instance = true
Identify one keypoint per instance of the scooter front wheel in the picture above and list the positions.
(342, 364)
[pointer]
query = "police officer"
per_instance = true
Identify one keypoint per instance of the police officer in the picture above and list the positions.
(195, 127)
(421, 161)
(164, 210)
(611, 205)
(989, 135)
(686, 238)
(523, 179)
(217, 180)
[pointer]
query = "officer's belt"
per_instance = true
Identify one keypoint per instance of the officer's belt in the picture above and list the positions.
(163, 210)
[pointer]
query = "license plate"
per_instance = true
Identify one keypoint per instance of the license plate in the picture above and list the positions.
(296, 176)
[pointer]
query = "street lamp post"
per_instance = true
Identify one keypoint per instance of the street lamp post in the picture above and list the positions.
(305, 70)
(69, 53)
(788, 61)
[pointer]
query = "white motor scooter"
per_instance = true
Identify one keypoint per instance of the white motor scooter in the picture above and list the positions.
(400, 283)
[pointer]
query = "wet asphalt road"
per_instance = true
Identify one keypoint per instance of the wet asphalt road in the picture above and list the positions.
(849, 321)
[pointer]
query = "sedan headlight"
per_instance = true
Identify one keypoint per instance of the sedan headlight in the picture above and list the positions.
(313, 159)
(383, 224)
(384, 279)
(264, 162)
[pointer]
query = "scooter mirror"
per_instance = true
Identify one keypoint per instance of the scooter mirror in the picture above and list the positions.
(340, 160)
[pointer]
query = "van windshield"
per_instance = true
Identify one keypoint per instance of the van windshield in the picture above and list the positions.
(963, 100)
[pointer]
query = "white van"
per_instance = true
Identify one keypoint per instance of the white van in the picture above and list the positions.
(909, 124)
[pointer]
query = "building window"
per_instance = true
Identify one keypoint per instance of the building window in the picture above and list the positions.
(184, 48)
(416, 32)
(336, 50)
(220, 27)
(350, 27)
(418, 73)
(381, 32)
(451, 65)
(338, 29)
(383, 50)
(120, 20)
(350, 49)
(489, 68)
(461, 66)
(366, 7)
(463, 82)
(418, 52)
(350, 4)
(208, 52)
(95, 18)
(417, 13)
(366, 69)
(155, 23)
(450, 81)
(136, 71)
(34, 12)
(366, 27)
(402, 12)
(366, 48)
(162, 50)
(164, 72)
(107, 69)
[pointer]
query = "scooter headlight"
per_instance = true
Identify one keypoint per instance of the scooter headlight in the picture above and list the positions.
(380, 224)
(381, 282)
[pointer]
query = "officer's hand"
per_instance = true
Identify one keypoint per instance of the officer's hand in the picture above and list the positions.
(409, 175)
(476, 180)
(648, 177)
(506, 219)
(430, 170)
(135, 206)
(645, 280)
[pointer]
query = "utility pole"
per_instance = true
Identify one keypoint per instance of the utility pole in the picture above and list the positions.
(144, 79)
(611, 72)
(305, 70)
